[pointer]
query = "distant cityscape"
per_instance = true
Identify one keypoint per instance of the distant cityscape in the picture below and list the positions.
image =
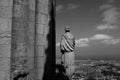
(96, 70)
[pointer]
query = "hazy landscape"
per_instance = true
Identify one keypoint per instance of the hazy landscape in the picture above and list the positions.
(96, 69)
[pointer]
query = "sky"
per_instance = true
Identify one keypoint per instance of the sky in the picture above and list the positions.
(95, 25)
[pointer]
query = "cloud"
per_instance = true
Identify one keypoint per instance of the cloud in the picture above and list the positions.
(101, 37)
(106, 39)
(105, 6)
(105, 26)
(82, 42)
(110, 15)
(72, 6)
(112, 41)
(59, 8)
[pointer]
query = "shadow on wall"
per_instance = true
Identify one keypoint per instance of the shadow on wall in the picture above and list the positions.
(49, 69)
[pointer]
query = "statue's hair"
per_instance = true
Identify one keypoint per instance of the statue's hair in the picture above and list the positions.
(67, 28)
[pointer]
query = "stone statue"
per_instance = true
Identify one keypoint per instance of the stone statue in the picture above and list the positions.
(67, 46)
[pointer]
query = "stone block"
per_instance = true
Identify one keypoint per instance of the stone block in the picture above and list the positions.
(5, 51)
(5, 11)
(30, 38)
(41, 62)
(21, 2)
(46, 32)
(32, 4)
(6, 2)
(43, 8)
(40, 28)
(5, 38)
(41, 40)
(30, 62)
(4, 75)
(30, 50)
(5, 25)
(31, 75)
(20, 24)
(19, 49)
(31, 17)
(4, 63)
(31, 27)
(21, 39)
(20, 11)
(42, 19)
(40, 73)
(41, 51)
(44, 1)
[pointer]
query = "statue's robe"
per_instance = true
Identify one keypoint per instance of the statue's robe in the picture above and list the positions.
(67, 47)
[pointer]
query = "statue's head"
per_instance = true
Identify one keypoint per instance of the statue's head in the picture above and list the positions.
(67, 29)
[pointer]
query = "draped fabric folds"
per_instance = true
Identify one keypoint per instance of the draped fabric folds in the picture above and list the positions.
(67, 42)
(67, 47)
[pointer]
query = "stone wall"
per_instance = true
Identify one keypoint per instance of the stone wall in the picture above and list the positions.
(5, 38)
(41, 40)
(45, 40)
(27, 39)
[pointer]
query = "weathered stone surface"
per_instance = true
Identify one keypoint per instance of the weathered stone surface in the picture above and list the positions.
(18, 22)
(20, 11)
(44, 47)
(44, 1)
(19, 39)
(41, 61)
(41, 51)
(5, 12)
(30, 51)
(6, 2)
(32, 4)
(43, 8)
(42, 18)
(31, 16)
(25, 54)
(5, 38)
(30, 39)
(4, 75)
(20, 2)
(30, 63)
(5, 25)
(31, 75)
(4, 63)
(40, 28)
(46, 30)
(31, 27)
(41, 40)
(40, 73)
(5, 51)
